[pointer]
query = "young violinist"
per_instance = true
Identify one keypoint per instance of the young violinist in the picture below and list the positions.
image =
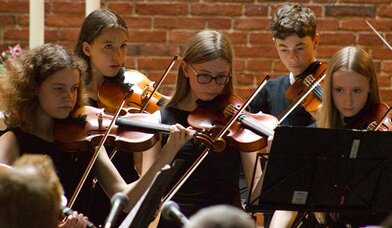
(45, 84)
(350, 88)
(205, 72)
(293, 29)
(102, 43)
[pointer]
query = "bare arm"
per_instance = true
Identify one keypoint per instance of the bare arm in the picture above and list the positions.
(249, 160)
(9, 149)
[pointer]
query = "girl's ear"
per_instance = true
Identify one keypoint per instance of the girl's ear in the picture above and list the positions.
(86, 48)
(184, 67)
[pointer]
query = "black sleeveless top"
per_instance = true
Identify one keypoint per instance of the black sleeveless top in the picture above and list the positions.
(69, 166)
(216, 179)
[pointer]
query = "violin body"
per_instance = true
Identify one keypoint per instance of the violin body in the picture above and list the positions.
(211, 117)
(375, 117)
(83, 130)
(313, 100)
(111, 93)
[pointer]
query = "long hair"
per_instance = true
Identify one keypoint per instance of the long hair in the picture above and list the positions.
(347, 59)
(20, 83)
(92, 27)
(205, 46)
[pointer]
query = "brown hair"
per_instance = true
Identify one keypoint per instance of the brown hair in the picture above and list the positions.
(92, 27)
(205, 46)
(23, 78)
(293, 19)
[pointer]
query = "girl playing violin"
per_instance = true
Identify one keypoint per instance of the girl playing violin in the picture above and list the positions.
(102, 43)
(350, 87)
(205, 73)
(45, 84)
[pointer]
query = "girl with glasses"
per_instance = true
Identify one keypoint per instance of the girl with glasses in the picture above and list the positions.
(205, 73)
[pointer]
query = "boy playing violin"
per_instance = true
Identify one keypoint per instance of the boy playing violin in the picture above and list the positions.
(294, 34)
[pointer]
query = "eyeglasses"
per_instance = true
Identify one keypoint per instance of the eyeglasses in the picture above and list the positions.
(206, 78)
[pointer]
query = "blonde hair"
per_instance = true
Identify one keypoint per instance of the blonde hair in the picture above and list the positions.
(205, 46)
(347, 59)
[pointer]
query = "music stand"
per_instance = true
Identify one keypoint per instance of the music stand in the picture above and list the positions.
(147, 206)
(327, 170)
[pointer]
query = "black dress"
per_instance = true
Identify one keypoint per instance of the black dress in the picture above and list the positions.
(69, 166)
(214, 182)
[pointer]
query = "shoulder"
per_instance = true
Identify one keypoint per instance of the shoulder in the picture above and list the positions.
(9, 148)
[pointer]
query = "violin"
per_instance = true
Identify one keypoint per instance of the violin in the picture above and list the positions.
(312, 101)
(215, 114)
(86, 126)
(132, 132)
(112, 90)
(375, 117)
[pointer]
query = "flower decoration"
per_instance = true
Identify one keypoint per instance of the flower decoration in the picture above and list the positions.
(9, 55)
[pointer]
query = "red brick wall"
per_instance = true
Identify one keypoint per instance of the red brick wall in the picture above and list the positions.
(160, 29)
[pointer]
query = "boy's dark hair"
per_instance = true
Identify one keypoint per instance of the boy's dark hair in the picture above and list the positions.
(293, 19)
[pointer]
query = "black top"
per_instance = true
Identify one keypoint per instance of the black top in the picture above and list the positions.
(272, 100)
(69, 166)
(216, 179)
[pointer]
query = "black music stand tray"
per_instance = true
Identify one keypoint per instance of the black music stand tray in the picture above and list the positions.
(149, 203)
(327, 170)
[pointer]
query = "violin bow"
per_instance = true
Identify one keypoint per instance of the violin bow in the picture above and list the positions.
(201, 157)
(379, 35)
(159, 83)
(97, 151)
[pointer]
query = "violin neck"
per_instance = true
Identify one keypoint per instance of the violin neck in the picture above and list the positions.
(143, 125)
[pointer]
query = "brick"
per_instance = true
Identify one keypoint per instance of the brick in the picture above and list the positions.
(152, 49)
(138, 22)
(261, 38)
(51, 36)
(16, 34)
(147, 36)
(174, 23)
(181, 37)
(216, 9)
(67, 8)
(244, 79)
(63, 20)
(338, 38)
(15, 6)
(69, 34)
(121, 8)
(251, 24)
(219, 23)
(242, 51)
(256, 10)
(237, 38)
(161, 9)
(350, 10)
(386, 65)
(326, 24)
(384, 80)
(153, 63)
(22, 20)
(259, 65)
(7, 20)
(385, 11)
